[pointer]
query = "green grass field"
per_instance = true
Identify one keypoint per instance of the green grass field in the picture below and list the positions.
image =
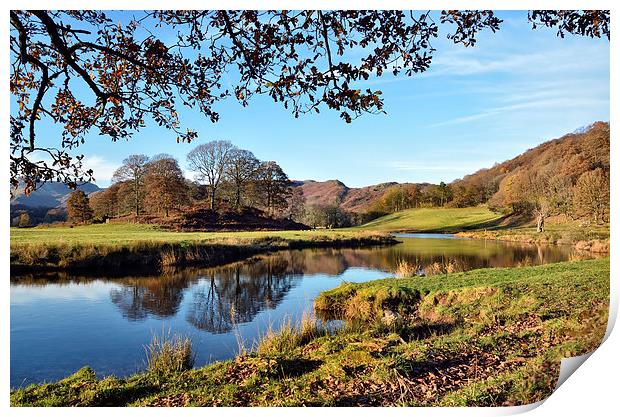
(115, 234)
(434, 220)
(481, 338)
(555, 233)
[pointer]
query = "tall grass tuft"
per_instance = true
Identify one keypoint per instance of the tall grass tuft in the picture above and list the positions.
(290, 335)
(241, 347)
(169, 354)
(406, 269)
(434, 268)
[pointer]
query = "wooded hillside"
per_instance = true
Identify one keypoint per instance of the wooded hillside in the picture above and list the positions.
(569, 175)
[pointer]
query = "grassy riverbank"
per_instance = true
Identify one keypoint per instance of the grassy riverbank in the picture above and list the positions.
(483, 337)
(594, 238)
(133, 245)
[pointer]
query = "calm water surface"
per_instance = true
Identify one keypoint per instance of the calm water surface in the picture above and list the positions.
(61, 322)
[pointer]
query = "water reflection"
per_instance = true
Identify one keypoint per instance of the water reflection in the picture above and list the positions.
(236, 294)
(136, 298)
(220, 297)
(61, 321)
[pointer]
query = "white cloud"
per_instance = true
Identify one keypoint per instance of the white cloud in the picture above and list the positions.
(102, 168)
(450, 61)
(549, 60)
(556, 103)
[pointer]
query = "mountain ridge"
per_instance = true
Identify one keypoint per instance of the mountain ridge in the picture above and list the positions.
(335, 192)
(49, 195)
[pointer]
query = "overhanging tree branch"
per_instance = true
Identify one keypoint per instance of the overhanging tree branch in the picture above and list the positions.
(278, 53)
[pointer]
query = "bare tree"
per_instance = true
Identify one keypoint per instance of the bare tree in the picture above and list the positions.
(242, 168)
(133, 169)
(296, 204)
(209, 161)
(545, 194)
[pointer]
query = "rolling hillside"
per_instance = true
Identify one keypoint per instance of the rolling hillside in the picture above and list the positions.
(436, 219)
(565, 158)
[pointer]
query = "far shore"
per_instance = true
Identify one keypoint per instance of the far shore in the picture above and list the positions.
(139, 247)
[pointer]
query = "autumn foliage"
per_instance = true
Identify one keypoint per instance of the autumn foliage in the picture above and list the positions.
(78, 207)
(134, 73)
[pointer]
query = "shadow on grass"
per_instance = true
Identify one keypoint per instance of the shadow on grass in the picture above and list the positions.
(120, 396)
(508, 221)
(424, 331)
(293, 368)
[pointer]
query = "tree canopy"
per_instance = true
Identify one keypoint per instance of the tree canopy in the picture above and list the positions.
(132, 74)
(78, 207)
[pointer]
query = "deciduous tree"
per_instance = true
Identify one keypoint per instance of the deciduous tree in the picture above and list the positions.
(591, 197)
(23, 220)
(273, 187)
(210, 161)
(330, 217)
(133, 170)
(78, 207)
(396, 199)
(164, 184)
(241, 169)
(296, 204)
(545, 194)
(105, 203)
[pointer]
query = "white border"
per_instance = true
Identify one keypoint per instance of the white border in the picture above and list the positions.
(592, 390)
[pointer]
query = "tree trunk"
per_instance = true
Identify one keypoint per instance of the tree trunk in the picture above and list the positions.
(540, 223)
(212, 198)
(137, 197)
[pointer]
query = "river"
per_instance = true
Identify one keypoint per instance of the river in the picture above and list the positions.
(61, 321)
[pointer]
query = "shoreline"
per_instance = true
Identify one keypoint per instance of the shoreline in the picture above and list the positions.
(598, 243)
(595, 245)
(154, 256)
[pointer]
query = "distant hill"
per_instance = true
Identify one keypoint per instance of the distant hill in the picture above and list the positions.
(46, 204)
(51, 195)
(334, 192)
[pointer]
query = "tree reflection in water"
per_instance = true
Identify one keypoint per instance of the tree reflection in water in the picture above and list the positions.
(160, 296)
(218, 298)
(233, 295)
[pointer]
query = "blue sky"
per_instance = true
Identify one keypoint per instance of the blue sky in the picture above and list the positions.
(475, 106)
